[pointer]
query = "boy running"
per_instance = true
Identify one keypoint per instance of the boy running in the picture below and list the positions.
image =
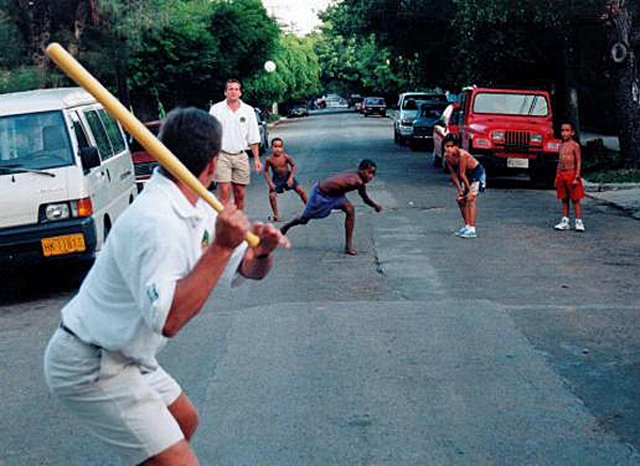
(283, 171)
(469, 178)
(329, 194)
(568, 182)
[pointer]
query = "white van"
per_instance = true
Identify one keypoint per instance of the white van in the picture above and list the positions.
(65, 174)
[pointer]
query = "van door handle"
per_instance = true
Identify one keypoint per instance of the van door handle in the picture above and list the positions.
(108, 175)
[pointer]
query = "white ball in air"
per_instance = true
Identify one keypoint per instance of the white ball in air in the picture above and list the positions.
(269, 66)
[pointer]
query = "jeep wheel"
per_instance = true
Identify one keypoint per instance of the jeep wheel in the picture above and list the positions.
(543, 179)
(414, 145)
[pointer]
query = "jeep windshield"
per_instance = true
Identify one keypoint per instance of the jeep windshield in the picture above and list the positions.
(34, 141)
(511, 104)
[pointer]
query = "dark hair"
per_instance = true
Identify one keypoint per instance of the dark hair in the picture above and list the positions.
(193, 136)
(367, 163)
(573, 127)
(452, 138)
(232, 81)
(276, 139)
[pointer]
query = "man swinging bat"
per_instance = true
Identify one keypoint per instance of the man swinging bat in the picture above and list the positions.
(163, 258)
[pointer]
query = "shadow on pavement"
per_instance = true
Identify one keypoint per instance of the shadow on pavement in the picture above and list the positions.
(22, 282)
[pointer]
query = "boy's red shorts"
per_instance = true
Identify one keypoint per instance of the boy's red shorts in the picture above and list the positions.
(565, 187)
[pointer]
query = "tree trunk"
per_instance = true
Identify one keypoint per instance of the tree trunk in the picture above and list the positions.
(145, 105)
(620, 21)
(39, 14)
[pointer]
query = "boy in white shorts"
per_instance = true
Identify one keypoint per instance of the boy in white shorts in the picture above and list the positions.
(163, 258)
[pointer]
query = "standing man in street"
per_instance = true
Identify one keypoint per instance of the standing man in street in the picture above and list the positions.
(164, 257)
(239, 132)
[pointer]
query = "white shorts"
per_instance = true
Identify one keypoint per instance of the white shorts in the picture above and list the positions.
(116, 400)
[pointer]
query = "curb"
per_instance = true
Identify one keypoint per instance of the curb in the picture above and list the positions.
(276, 123)
(602, 187)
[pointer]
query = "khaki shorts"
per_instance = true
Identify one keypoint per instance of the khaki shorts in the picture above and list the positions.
(233, 168)
(116, 401)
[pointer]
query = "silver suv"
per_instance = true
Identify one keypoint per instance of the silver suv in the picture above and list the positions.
(408, 105)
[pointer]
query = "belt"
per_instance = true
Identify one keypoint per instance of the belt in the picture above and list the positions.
(72, 333)
(232, 153)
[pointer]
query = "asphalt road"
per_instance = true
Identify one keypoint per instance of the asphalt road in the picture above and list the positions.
(519, 347)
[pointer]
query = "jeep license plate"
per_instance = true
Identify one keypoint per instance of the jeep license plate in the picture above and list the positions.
(517, 163)
(63, 245)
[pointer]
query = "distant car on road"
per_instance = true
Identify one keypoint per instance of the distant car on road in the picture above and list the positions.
(430, 112)
(298, 109)
(374, 106)
(355, 101)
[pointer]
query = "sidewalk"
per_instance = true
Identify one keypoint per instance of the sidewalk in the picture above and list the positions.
(624, 196)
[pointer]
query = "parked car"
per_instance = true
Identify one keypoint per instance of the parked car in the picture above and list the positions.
(510, 131)
(143, 162)
(66, 175)
(429, 113)
(408, 104)
(355, 99)
(297, 109)
(447, 123)
(374, 106)
(264, 132)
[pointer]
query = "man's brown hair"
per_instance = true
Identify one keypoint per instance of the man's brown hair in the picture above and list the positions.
(232, 81)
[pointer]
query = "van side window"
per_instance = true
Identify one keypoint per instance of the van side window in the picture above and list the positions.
(79, 131)
(104, 146)
(113, 131)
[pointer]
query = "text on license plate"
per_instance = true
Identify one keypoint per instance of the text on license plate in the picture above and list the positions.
(517, 163)
(63, 244)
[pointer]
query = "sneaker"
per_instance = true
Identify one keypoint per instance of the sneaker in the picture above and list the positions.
(563, 225)
(461, 230)
(468, 233)
(579, 225)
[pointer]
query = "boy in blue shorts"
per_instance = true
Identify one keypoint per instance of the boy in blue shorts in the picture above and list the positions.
(283, 171)
(329, 194)
(469, 178)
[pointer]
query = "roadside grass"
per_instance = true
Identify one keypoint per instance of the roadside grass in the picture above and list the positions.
(621, 175)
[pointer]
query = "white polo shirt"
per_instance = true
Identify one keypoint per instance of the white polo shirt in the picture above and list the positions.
(125, 299)
(239, 128)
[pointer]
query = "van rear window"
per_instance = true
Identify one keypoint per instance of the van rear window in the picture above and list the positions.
(35, 141)
(511, 104)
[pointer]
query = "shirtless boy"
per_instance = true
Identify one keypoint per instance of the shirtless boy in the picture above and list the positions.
(568, 182)
(283, 171)
(329, 194)
(469, 178)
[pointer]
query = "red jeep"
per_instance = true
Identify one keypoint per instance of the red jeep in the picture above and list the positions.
(509, 131)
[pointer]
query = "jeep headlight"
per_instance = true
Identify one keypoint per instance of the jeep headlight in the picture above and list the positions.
(536, 138)
(57, 211)
(497, 135)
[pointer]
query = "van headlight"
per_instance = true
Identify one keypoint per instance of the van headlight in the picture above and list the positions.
(57, 211)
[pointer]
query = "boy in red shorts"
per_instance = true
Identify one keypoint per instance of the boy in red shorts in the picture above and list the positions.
(568, 182)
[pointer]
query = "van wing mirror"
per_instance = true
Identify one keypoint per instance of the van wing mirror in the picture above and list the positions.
(89, 157)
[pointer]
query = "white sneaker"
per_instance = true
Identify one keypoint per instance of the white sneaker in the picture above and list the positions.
(563, 225)
(461, 230)
(579, 225)
(469, 233)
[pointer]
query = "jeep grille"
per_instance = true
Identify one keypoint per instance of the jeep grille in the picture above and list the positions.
(516, 141)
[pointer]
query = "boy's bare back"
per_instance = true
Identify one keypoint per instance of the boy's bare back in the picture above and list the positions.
(340, 184)
(569, 156)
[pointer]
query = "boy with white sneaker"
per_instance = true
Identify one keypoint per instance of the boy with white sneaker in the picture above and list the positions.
(569, 185)
(469, 178)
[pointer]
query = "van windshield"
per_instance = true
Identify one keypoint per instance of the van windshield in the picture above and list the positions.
(35, 141)
(413, 101)
(511, 104)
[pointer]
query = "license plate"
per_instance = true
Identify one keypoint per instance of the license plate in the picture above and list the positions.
(518, 163)
(63, 245)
